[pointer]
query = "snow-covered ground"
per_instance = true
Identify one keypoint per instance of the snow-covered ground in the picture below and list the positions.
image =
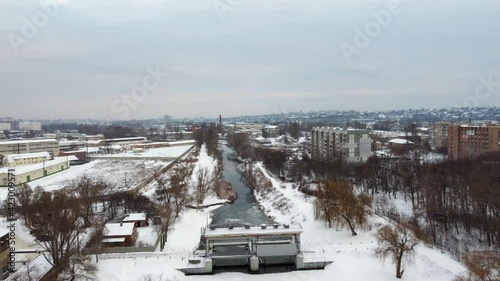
(353, 256)
(123, 174)
(146, 236)
(203, 161)
(174, 151)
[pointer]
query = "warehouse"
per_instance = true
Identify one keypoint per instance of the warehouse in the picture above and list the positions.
(26, 174)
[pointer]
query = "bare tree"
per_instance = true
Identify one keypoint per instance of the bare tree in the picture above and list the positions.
(28, 273)
(337, 203)
(78, 268)
(55, 223)
(168, 217)
(396, 243)
(179, 188)
(24, 196)
(204, 184)
(482, 266)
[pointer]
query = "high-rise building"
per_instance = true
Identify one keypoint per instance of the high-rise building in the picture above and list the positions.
(4, 127)
(439, 136)
(334, 143)
(471, 141)
(168, 120)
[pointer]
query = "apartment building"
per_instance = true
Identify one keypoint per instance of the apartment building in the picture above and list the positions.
(439, 136)
(471, 141)
(30, 126)
(4, 127)
(30, 146)
(349, 145)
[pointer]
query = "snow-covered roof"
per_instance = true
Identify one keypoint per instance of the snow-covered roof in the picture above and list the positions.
(135, 217)
(13, 157)
(126, 139)
(400, 141)
(26, 141)
(114, 240)
(30, 168)
(118, 229)
(182, 142)
(72, 142)
(72, 158)
(254, 230)
(89, 149)
(270, 127)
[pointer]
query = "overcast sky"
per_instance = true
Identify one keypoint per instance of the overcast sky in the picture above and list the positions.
(239, 57)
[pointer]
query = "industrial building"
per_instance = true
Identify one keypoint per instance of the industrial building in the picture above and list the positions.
(14, 160)
(346, 144)
(30, 146)
(470, 141)
(251, 246)
(26, 174)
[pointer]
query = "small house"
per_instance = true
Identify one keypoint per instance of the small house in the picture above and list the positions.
(139, 219)
(119, 235)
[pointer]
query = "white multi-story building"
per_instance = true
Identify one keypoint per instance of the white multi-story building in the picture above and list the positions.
(4, 127)
(30, 146)
(335, 143)
(30, 126)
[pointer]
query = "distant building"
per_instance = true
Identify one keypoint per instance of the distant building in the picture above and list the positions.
(81, 156)
(271, 131)
(5, 127)
(471, 141)
(30, 146)
(30, 126)
(439, 136)
(349, 145)
(168, 120)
